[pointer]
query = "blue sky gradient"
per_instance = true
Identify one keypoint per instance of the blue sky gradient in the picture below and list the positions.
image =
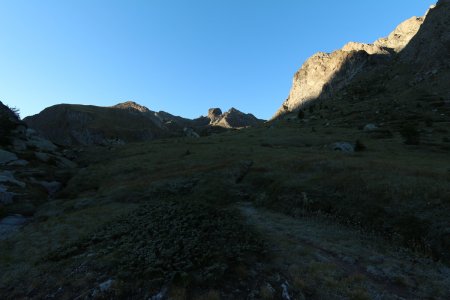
(182, 57)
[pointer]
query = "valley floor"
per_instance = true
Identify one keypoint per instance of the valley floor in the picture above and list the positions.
(324, 260)
(271, 212)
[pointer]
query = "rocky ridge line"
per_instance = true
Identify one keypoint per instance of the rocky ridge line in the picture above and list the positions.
(324, 74)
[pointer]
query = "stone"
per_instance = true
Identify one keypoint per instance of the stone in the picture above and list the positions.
(19, 145)
(190, 132)
(105, 286)
(44, 157)
(370, 127)
(31, 132)
(11, 224)
(51, 186)
(8, 177)
(18, 163)
(5, 196)
(63, 162)
(41, 144)
(343, 147)
(285, 291)
(161, 295)
(13, 220)
(6, 157)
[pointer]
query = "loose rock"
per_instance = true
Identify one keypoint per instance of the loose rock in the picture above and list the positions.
(6, 157)
(343, 147)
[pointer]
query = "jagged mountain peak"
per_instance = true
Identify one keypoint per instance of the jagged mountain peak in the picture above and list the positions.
(214, 114)
(234, 110)
(233, 118)
(402, 34)
(323, 74)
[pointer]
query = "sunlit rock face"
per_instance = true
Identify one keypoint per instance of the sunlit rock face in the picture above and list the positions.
(214, 114)
(323, 74)
(132, 106)
(233, 118)
(402, 35)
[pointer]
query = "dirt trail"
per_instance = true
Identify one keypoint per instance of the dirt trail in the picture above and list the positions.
(324, 259)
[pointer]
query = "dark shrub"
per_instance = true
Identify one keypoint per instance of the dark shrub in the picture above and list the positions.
(410, 134)
(359, 146)
(8, 121)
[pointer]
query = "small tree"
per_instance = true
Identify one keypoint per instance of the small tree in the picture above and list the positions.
(9, 118)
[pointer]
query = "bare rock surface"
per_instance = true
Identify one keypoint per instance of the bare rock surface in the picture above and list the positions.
(6, 157)
(233, 118)
(11, 224)
(324, 74)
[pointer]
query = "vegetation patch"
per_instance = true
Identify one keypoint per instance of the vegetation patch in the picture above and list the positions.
(165, 243)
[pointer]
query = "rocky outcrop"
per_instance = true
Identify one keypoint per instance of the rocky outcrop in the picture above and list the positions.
(324, 74)
(214, 114)
(430, 48)
(132, 106)
(233, 118)
(32, 169)
(401, 35)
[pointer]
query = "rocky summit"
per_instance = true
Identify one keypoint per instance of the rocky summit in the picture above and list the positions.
(324, 74)
(343, 195)
(233, 118)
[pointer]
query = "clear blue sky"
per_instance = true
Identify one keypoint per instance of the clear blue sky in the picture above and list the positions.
(182, 57)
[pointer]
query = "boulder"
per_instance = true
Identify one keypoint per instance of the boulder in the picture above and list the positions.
(51, 186)
(8, 177)
(10, 225)
(6, 157)
(19, 144)
(63, 162)
(5, 196)
(105, 286)
(18, 163)
(343, 147)
(190, 132)
(44, 157)
(41, 144)
(370, 127)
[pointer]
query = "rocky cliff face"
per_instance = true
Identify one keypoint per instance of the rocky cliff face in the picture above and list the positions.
(233, 118)
(324, 74)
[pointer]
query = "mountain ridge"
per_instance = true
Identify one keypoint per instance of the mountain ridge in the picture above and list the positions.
(324, 74)
(75, 124)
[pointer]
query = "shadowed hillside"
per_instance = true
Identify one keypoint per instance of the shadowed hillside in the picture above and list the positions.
(68, 124)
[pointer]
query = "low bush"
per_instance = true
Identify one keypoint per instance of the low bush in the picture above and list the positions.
(165, 242)
(410, 134)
